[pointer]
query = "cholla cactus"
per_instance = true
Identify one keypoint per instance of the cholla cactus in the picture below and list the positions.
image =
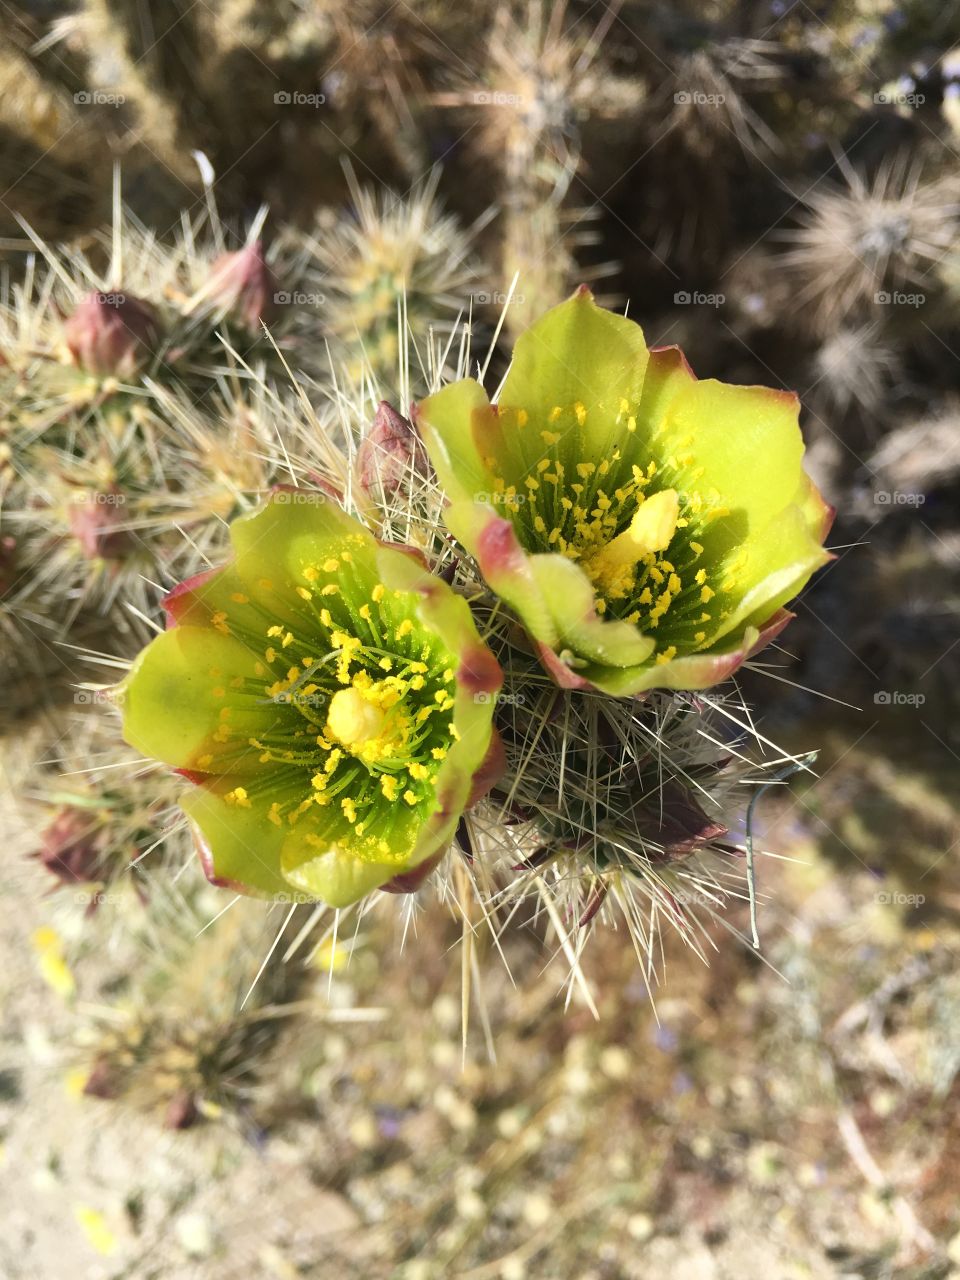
(394, 266)
(188, 1037)
(336, 707)
(137, 497)
(610, 810)
(109, 822)
(187, 315)
(859, 242)
(544, 81)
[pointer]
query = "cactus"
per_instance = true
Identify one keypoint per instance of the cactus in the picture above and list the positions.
(392, 266)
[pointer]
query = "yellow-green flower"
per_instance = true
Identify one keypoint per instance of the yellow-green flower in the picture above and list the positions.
(331, 699)
(647, 527)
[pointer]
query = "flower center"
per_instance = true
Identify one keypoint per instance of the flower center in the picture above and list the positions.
(354, 720)
(651, 530)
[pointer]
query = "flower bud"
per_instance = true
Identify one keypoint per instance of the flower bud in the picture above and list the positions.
(70, 847)
(244, 285)
(389, 453)
(96, 521)
(112, 334)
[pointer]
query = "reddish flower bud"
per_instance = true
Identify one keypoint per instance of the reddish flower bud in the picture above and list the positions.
(390, 451)
(244, 285)
(181, 1111)
(96, 521)
(102, 1081)
(70, 847)
(112, 334)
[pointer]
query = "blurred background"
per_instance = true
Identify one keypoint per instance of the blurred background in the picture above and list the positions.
(775, 186)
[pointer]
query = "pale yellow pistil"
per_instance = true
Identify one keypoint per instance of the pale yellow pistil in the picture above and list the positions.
(651, 530)
(354, 720)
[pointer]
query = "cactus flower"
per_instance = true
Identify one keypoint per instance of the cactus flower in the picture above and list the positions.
(331, 700)
(647, 527)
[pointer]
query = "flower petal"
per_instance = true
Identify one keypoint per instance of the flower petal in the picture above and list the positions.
(582, 360)
(193, 698)
(239, 848)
